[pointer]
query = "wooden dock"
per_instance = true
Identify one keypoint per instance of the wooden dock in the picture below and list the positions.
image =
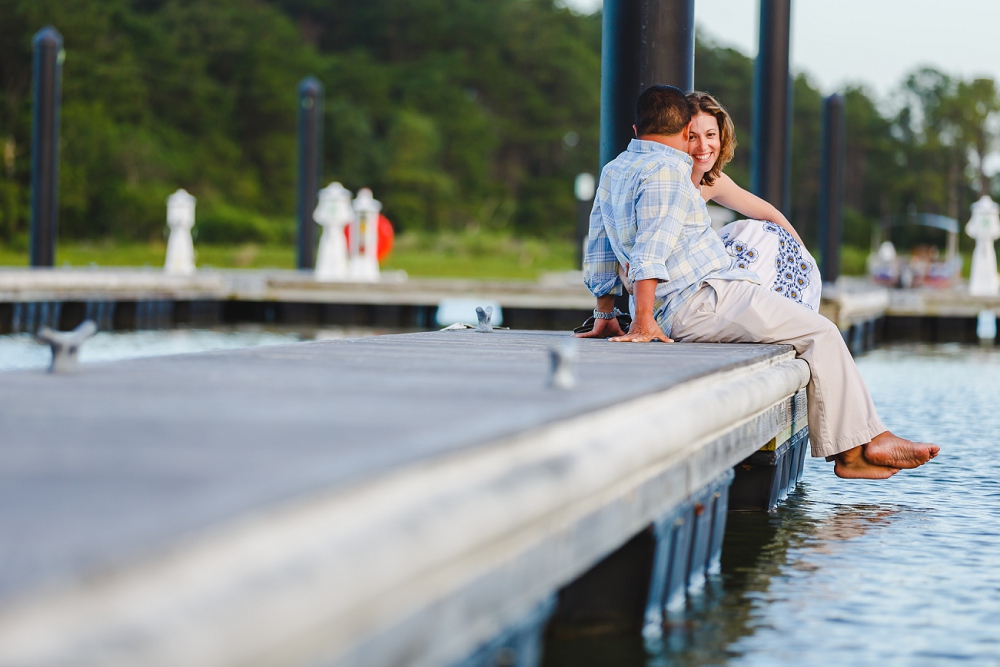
(868, 314)
(421, 499)
(147, 298)
(126, 299)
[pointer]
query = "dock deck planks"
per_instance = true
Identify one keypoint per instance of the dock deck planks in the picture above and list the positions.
(120, 458)
(123, 462)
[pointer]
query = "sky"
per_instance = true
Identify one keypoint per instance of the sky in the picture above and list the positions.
(875, 42)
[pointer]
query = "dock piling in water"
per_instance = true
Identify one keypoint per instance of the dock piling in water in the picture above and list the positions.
(644, 42)
(831, 193)
(310, 167)
(770, 158)
(46, 90)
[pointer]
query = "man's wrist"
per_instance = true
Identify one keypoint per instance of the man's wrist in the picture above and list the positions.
(606, 303)
(644, 318)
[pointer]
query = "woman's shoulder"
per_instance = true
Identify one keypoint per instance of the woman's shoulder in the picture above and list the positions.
(723, 182)
(721, 185)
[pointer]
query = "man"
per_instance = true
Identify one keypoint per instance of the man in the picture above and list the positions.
(649, 218)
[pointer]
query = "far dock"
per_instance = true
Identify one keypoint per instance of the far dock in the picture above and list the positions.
(125, 299)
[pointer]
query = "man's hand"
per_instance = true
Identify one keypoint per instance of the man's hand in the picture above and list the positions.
(643, 330)
(644, 326)
(603, 329)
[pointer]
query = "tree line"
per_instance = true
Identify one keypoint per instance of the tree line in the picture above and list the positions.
(460, 114)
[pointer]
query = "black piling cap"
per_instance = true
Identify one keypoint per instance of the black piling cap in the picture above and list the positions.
(48, 36)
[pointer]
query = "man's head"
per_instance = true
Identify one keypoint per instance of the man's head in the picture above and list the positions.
(662, 111)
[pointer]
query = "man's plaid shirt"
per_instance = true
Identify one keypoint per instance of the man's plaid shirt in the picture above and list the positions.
(647, 214)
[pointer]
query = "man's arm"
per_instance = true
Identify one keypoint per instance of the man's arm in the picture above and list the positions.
(729, 194)
(600, 274)
(644, 327)
(600, 264)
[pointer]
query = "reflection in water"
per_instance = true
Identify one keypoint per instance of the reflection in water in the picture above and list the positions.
(900, 572)
(758, 548)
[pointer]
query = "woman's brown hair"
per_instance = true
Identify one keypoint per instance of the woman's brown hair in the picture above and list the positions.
(704, 103)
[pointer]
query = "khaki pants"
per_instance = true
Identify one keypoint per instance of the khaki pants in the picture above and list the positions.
(841, 412)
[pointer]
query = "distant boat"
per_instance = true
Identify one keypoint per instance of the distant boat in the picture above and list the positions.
(923, 265)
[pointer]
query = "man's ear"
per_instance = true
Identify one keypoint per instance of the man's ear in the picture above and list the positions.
(686, 132)
(635, 131)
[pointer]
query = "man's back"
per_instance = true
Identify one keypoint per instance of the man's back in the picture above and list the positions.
(648, 215)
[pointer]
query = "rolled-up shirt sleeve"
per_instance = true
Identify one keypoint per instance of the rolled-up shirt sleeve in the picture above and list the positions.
(660, 210)
(600, 264)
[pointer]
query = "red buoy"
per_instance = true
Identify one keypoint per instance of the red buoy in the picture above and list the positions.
(386, 236)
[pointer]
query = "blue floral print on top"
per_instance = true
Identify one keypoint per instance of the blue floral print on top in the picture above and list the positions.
(792, 267)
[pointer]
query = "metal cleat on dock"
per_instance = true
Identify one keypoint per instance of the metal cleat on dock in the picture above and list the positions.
(484, 316)
(66, 344)
(562, 357)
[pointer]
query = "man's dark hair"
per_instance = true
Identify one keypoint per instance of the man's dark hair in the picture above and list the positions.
(661, 110)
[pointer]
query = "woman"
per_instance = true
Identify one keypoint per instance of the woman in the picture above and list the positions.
(766, 243)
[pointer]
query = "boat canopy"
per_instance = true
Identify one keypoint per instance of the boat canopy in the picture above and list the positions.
(949, 225)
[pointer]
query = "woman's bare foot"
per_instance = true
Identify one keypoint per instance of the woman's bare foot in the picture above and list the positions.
(852, 465)
(887, 449)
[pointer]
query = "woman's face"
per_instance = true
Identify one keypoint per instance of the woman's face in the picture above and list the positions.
(704, 142)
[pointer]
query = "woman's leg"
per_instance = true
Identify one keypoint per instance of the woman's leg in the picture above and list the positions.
(782, 263)
(843, 424)
(841, 413)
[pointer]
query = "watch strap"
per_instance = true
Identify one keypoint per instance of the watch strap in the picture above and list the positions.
(601, 315)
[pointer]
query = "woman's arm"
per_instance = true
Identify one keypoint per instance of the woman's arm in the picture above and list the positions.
(726, 192)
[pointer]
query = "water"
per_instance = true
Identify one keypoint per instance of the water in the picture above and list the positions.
(903, 572)
(21, 351)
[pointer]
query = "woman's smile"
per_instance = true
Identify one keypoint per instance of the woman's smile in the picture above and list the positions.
(707, 158)
(703, 141)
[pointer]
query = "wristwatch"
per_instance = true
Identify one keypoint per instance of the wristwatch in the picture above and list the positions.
(598, 315)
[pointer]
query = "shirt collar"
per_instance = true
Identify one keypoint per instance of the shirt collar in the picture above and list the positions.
(640, 146)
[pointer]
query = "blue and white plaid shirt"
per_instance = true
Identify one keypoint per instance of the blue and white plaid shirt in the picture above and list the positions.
(647, 214)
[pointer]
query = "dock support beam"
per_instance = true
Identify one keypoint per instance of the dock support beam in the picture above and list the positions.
(643, 42)
(770, 170)
(831, 187)
(766, 477)
(46, 89)
(638, 586)
(310, 167)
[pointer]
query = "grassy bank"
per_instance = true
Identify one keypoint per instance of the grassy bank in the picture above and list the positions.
(465, 255)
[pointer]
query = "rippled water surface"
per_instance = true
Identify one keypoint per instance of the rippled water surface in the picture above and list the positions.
(902, 572)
